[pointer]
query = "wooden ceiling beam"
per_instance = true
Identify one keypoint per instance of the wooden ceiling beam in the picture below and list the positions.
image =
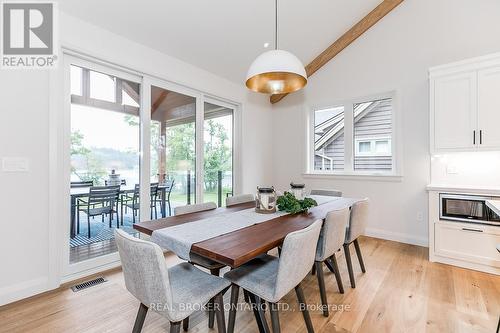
(346, 39)
(159, 100)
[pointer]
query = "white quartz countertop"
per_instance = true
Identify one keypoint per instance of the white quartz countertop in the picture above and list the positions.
(492, 190)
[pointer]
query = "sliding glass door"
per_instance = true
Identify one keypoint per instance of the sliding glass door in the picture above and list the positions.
(218, 152)
(104, 157)
(173, 150)
(136, 147)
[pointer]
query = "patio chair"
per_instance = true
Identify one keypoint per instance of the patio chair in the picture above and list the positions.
(169, 185)
(102, 200)
(133, 202)
(88, 183)
(122, 182)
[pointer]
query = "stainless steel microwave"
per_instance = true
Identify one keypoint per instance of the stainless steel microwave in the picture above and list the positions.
(467, 208)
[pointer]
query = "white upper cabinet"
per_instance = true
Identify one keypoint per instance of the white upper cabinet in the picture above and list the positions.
(488, 98)
(465, 105)
(455, 111)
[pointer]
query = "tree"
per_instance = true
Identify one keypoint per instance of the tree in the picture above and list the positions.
(94, 169)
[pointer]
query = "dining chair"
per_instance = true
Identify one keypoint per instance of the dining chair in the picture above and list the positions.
(330, 193)
(87, 183)
(174, 292)
(133, 202)
(195, 208)
(195, 259)
(331, 239)
(356, 228)
(269, 278)
(102, 200)
(238, 199)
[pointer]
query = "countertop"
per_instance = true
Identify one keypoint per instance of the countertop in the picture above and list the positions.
(491, 190)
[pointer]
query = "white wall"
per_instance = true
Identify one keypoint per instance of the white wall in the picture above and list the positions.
(24, 132)
(395, 54)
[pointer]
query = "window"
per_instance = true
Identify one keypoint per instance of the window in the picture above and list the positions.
(329, 139)
(354, 137)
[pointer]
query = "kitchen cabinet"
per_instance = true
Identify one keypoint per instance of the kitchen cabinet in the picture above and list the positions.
(465, 105)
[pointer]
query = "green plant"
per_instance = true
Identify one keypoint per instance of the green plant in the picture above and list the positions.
(288, 203)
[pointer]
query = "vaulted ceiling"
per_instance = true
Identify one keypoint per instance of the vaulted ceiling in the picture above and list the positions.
(224, 36)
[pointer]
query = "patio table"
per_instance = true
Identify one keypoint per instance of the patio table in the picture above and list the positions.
(83, 192)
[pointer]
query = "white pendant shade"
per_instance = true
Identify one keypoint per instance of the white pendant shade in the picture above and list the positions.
(276, 72)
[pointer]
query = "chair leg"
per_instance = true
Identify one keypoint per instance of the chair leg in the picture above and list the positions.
(110, 219)
(235, 290)
(185, 324)
(211, 313)
(88, 224)
(360, 257)
(139, 320)
(347, 254)
(303, 308)
(275, 318)
(78, 221)
(169, 209)
(122, 213)
(245, 296)
(133, 216)
(175, 327)
(313, 270)
(332, 265)
(156, 213)
(219, 313)
(117, 219)
(258, 313)
(322, 289)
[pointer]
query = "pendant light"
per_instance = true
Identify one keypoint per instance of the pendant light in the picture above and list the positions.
(276, 71)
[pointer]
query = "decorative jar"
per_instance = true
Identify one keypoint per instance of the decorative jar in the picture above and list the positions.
(265, 202)
(298, 190)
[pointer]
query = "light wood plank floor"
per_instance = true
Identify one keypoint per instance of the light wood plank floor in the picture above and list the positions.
(400, 292)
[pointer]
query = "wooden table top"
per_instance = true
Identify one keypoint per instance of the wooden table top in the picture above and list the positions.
(238, 247)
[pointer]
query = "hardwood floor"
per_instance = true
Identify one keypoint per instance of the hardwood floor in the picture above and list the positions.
(400, 292)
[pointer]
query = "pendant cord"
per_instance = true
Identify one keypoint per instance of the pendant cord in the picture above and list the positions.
(276, 26)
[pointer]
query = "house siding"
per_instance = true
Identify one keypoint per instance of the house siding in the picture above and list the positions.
(377, 123)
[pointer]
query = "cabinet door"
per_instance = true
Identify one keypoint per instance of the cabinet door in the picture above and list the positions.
(488, 81)
(455, 116)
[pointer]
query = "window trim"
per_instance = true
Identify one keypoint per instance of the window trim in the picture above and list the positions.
(349, 143)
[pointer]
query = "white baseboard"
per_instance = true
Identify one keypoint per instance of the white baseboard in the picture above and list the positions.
(22, 290)
(397, 237)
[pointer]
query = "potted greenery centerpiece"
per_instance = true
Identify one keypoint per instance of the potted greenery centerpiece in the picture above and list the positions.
(290, 204)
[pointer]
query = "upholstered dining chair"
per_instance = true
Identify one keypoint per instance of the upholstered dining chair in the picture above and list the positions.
(330, 193)
(356, 228)
(331, 239)
(181, 210)
(269, 278)
(238, 199)
(211, 265)
(167, 291)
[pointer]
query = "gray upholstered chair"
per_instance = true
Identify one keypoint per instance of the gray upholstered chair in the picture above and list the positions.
(238, 199)
(211, 265)
(167, 291)
(356, 228)
(270, 278)
(181, 210)
(330, 241)
(330, 193)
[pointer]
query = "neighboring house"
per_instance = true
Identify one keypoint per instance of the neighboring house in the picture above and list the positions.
(372, 138)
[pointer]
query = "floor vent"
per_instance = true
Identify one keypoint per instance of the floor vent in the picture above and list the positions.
(88, 284)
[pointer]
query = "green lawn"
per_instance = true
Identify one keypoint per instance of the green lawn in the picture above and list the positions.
(180, 198)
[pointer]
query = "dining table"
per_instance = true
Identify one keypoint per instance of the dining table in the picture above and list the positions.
(83, 192)
(235, 246)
